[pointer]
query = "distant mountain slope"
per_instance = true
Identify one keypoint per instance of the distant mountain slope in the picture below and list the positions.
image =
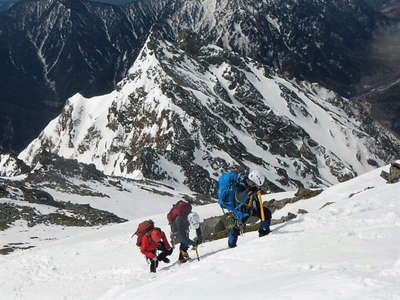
(5, 4)
(380, 82)
(51, 49)
(183, 115)
(318, 40)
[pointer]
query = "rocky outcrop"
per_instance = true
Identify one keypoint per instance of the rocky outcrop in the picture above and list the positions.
(10, 165)
(25, 196)
(394, 173)
(302, 194)
(67, 214)
(218, 227)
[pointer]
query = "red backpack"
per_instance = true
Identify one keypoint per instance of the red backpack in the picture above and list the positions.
(143, 228)
(180, 208)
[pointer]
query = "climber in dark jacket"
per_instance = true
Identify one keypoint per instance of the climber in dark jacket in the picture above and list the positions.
(180, 233)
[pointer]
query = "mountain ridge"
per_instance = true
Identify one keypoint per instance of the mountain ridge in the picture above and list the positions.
(184, 117)
(52, 67)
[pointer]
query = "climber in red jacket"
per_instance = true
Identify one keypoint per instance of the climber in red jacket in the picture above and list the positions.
(153, 241)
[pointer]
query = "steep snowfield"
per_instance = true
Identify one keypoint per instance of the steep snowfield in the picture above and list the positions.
(347, 250)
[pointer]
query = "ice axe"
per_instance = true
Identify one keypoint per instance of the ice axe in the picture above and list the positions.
(197, 252)
(261, 206)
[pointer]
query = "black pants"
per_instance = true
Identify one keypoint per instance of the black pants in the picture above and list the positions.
(154, 262)
(164, 254)
(256, 212)
(153, 265)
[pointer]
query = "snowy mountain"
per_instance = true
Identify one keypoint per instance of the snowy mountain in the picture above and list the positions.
(52, 49)
(380, 83)
(317, 40)
(348, 250)
(6, 4)
(185, 114)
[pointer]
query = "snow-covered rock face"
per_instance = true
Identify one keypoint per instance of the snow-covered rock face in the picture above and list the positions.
(11, 166)
(314, 39)
(183, 116)
(56, 48)
(52, 49)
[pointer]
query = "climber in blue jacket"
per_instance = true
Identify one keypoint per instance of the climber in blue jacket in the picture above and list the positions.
(240, 195)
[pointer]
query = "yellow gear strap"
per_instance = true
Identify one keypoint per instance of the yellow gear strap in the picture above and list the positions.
(261, 206)
(250, 204)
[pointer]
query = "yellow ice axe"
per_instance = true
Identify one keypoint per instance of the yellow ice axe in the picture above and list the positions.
(261, 206)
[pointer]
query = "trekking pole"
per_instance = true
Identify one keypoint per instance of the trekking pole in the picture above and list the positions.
(223, 211)
(197, 253)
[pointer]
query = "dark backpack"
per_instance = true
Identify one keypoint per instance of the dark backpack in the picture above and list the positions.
(226, 190)
(143, 228)
(181, 208)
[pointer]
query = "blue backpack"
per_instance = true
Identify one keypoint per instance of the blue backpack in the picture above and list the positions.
(226, 194)
(226, 191)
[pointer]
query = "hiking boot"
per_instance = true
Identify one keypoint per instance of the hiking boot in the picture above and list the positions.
(263, 232)
(153, 265)
(183, 256)
(182, 260)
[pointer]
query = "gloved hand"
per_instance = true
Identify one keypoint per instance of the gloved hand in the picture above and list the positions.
(160, 246)
(197, 241)
(240, 215)
(254, 189)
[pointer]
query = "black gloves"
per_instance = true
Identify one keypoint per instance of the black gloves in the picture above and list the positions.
(160, 246)
(253, 189)
(199, 238)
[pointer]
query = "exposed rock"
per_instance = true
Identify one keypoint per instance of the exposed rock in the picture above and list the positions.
(326, 204)
(12, 247)
(69, 215)
(394, 173)
(366, 189)
(10, 165)
(301, 194)
(218, 227)
(40, 197)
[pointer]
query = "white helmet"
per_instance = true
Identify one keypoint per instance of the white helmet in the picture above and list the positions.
(194, 219)
(256, 177)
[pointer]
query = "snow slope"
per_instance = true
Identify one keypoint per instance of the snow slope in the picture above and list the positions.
(347, 250)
